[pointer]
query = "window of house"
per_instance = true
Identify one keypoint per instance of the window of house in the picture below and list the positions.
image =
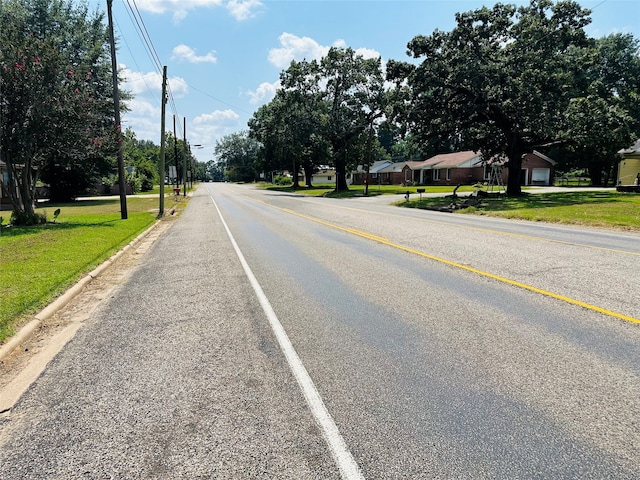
(448, 174)
(436, 174)
(329, 178)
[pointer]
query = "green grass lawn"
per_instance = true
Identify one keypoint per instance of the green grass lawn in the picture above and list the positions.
(328, 190)
(597, 209)
(39, 263)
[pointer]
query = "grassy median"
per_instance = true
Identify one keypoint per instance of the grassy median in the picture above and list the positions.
(39, 263)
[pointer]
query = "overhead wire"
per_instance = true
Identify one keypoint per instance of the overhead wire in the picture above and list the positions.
(144, 79)
(143, 34)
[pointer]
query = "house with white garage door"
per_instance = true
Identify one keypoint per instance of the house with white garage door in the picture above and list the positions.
(537, 169)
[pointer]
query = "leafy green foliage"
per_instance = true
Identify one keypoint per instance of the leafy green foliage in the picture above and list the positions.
(326, 112)
(239, 154)
(19, 218)
(605, 117)
(500, 81)
(282, 180)
(56, 96)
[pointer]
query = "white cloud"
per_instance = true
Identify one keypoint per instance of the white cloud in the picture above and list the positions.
(142, 108)
(217, 117)
(139, 83)
(208, 128)
(243, 9)
(184, 52)
(238, 9)
(367, 53)
(305, 48)
(295, 48)
(264, 93)
(143, 118)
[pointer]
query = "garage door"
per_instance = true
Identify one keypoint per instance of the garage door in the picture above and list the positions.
(540, 176)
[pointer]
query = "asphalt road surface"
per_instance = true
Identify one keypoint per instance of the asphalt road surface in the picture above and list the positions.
(269, 335)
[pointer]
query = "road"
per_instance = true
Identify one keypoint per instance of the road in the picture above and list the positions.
(269, 335)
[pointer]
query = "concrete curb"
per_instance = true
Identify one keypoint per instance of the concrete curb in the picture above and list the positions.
(27, 331)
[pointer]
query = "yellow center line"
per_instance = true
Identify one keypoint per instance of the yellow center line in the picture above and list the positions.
(508, 281)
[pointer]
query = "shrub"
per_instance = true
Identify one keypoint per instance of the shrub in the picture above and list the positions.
(282, 180)
(28, 219)
(146, 184)
(134, 181)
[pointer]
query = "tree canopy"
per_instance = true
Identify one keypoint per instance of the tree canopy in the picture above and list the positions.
(56, 112)
(238, 154)
(507, 80)
(326, 112)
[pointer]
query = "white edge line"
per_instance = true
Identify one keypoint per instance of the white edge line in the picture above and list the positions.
(347, 465)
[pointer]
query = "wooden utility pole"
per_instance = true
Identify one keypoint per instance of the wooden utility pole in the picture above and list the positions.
(161, 166)
(175, 152)
(116, 104)
(184, 147)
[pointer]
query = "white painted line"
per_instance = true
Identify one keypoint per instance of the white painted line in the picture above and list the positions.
(344, 460)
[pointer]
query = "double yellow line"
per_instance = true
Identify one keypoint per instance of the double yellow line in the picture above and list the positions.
(524, 286)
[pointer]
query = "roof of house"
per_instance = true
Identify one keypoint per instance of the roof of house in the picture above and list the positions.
(467, 158)
(379, 165)
(634, 149)
(394, 167)
(415, 165)
(544, 157)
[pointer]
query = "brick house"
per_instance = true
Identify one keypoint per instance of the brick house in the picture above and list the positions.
(537, 169)
(392, 174)
(468, 168)
(373, 177)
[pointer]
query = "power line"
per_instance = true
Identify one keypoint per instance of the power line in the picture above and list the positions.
(142, 30)
(143, 34)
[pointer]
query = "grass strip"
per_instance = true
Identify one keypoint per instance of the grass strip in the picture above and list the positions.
(595, 209)
(328, 190)
(39, 263)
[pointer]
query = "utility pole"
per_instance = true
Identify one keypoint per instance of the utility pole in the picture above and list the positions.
(161, 166)
(116, 104)
(175, 151)
(184, 147)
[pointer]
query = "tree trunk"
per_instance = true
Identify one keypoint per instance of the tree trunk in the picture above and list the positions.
(514, 167)
(21, 189)
(341, 173)
(295, 185)
(595, 172)
(308, 174)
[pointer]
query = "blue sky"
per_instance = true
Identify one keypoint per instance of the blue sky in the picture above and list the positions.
(223, 57)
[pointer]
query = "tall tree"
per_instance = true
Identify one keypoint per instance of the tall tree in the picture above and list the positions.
(54, 93)
(500, 81)
(606, 117)
(356, 96)
(239, 153)
(278, 136)
(304, 116)
(143, 156)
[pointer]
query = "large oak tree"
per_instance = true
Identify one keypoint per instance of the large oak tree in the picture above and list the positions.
(501, 80)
